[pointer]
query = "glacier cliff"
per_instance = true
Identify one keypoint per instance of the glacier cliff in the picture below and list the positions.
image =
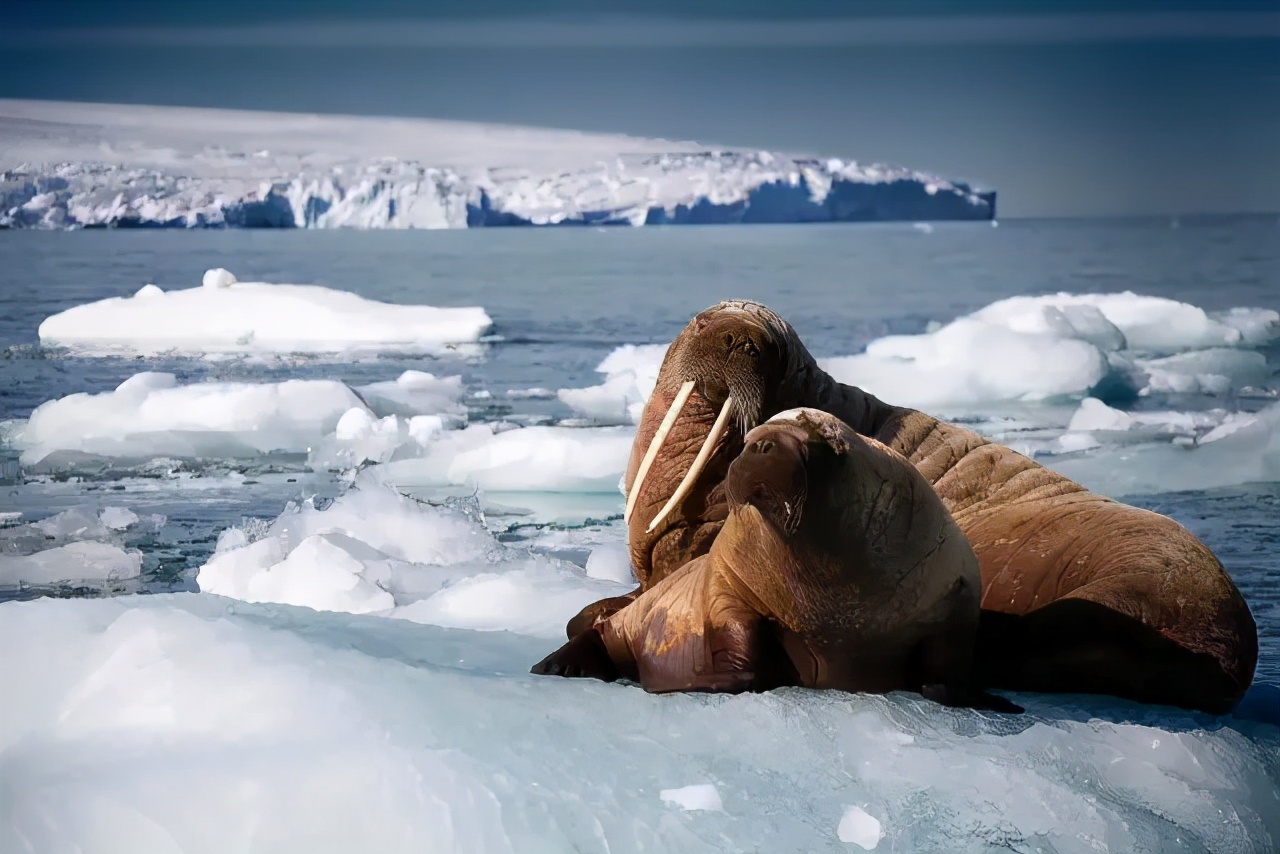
(684, 187)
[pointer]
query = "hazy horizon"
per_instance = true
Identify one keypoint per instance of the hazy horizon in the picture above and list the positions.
(1085, 109)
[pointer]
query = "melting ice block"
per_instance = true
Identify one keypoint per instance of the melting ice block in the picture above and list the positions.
(226, 316)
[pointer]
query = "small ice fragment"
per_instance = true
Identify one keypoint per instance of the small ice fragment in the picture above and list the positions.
(218, 278)
(117, 518)
(1093, 414)
(860, 828)
(701, 796)
(610, 562)
(151, 291)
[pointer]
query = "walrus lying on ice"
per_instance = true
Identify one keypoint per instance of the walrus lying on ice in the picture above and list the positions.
(837, 567)
(1080, 593)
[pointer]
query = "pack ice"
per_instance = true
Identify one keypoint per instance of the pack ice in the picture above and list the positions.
(192, 168)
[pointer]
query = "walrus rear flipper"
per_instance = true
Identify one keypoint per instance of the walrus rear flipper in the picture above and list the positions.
(1078, 646)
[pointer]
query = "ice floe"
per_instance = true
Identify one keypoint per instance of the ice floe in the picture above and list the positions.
(1037, 348)
(87, 561)
(151, 415)
(226, 316)
(1241, 448)
(192, 723)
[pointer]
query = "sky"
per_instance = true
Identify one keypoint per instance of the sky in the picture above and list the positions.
(1065, 107)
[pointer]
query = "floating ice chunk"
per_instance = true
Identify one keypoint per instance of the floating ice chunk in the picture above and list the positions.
(859, 827)
(971, 360)
(611, 562)
(1093, 414)
(1242, 449)
(1257, 325)
(254, 317)
(415, 393)
(1215, 371)
(1149, 324)
(148, 291)
(631, 372)
(218, 278)
(118, 518)
(700, 796)
(1033, 348)
(82, 561)
(550, 459)
(328, 572)
(149, 415)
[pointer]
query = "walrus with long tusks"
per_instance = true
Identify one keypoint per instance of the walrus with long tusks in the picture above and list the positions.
(837, 567)
(1080, 593)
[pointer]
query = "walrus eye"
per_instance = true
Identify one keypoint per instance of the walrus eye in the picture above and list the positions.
(751, 349)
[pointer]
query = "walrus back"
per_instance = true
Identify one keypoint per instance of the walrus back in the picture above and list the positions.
(1113, 599)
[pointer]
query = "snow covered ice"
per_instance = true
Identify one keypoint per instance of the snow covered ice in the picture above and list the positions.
(281, 170)
(226, 316)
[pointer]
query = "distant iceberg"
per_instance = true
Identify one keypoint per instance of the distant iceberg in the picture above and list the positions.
(116, 166)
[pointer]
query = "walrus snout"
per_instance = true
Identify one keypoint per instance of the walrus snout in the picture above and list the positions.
(770, 475)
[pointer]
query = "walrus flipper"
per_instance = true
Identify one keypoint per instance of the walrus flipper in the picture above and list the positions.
(583, 657)
(598, 612)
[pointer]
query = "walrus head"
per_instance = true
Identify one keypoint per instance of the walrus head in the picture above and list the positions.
(740, 358)
(782, 460)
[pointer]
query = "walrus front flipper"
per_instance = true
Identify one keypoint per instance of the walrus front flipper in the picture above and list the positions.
(598, 612)
(583, 657)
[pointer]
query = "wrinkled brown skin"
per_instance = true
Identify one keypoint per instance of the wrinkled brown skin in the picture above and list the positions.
(837, 567)
(1081, 594)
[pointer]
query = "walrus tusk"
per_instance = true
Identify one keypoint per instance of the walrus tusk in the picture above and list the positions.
(673, 412)
(699, 463)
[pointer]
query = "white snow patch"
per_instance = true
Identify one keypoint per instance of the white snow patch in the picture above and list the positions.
(859, 827)
(255, 317)
(700, 796)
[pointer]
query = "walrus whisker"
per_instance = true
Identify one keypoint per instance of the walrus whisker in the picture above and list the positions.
(651, 454)
(699, 463)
